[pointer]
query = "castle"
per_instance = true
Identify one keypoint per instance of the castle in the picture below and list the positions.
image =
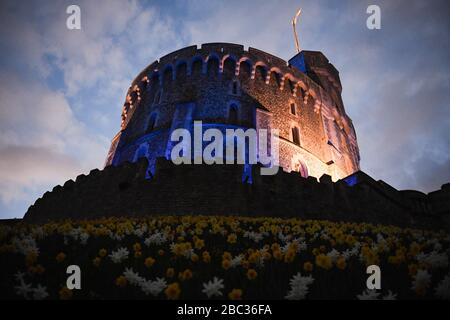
(225, 86)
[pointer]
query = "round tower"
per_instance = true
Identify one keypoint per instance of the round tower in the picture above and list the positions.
(225, 86)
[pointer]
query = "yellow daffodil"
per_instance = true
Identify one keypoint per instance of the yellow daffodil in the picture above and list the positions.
(199, 244)
(170, 272)
(102, 253)
(308, 266)
(226, 264)
(341, 263)
(232, 238)
(173, 291)
(149, 262)
(289, 256)
(227, 256)
(323, 261)
(206, 257)
(121, 281)
(96, 262)
(187, 274)
(137, 247)
(278, 255)
(235, 294)
(251, 274)
(60, 257)
(65, 294)
(194, 257)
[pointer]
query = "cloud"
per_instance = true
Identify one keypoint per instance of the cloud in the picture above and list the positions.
(27, 169)
(61, 91)
(42, 143)
(395, 80)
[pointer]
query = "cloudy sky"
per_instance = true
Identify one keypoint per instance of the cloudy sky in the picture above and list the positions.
(61, 90)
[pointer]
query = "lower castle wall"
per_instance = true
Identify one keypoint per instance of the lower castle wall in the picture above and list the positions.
(219, 190)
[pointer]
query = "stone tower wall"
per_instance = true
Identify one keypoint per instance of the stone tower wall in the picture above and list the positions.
(204, 83)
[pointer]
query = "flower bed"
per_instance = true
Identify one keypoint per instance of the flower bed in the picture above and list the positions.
(221, 258)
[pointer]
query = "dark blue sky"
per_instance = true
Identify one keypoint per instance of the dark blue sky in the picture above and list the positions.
(62, 91)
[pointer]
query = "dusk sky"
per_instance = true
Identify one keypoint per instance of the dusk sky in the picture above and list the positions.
(61, 91)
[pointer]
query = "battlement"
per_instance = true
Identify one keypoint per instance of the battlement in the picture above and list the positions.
(222, 190)
(222, 51)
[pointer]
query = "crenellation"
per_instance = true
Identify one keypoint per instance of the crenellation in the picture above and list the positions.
(125, 189)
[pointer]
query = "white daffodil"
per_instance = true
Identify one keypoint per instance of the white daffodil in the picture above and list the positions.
(38, 233)
(442, 290)
(434, 258)
(368, 295)
(334, 255)
(23, 289)
(158, 238)
(213, 288)
(302, 245)
(286, 247)
(25, 244)
(40, 293)
(283, 238)
(117, 237)
(119, 255)
(154, 287)
(390, 296)
(256, 237)
(189, 253)
(324, 236)
(84, 238)
(19, 276)
(75, 233)
(133, 277)
(299, 287)
(139, 232)
(421, 280)
(236, 261)
(347, 254)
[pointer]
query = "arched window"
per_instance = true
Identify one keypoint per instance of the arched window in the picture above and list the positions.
(181, 71)
(197, 67)
(212, 66)
(151, 123)
(235, 87)
(126, 107)
(157, 98)
(245, 69)
(261, 73)
(154, 86)
(167, 76)
(229, 67)
(144, 84)
(291, 86)
(134, 96)
(141, 152)
(293, 108)
(302, 93)
(295, 136)
(233, 114)
(275, 78)
(301, 168)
